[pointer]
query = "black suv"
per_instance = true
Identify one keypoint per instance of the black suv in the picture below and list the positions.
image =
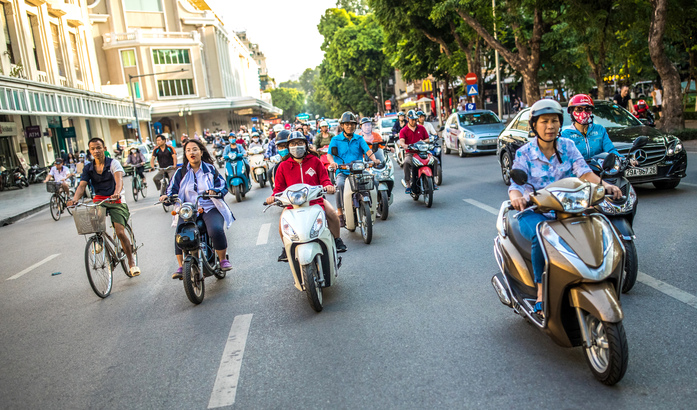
(662, 162)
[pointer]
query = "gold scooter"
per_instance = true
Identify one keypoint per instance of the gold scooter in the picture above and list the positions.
(584, 259)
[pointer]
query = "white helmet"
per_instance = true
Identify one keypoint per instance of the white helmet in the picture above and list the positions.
(277, 128)
(323, 124)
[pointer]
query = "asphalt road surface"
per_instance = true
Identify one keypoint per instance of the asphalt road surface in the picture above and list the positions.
(412, 322)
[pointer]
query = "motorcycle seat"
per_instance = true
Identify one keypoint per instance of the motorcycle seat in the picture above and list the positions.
(523, 245)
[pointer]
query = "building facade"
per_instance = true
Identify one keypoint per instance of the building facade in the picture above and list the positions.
(51, 98)
(265, 81)
(177, 56)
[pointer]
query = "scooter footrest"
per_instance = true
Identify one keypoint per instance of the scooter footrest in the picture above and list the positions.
(338, 265)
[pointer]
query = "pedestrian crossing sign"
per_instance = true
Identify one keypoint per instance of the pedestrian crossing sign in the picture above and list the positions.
(472, 89)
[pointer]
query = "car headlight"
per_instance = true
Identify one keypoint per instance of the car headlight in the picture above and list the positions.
(298, 197)
(317, 226)
(288, 230)
(575, 201)
(186, 212)
(676, 148)
(470, 135)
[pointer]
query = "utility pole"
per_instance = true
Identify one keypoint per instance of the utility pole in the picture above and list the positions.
(496, 56)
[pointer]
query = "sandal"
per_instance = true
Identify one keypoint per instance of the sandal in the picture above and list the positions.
(134, 271)
(539, 309)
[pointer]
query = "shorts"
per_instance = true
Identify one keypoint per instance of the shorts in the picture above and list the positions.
(119, 213)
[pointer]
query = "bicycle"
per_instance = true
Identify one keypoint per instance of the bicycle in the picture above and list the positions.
(102, 252)
(137, 186)
(58, 202)
(164, 184)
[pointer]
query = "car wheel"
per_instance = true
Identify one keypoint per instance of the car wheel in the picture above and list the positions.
(445, 147)
(460, 150)
(506, 163)
(670, 184)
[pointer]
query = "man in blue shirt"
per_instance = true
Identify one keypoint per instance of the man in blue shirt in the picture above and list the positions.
(349, 147)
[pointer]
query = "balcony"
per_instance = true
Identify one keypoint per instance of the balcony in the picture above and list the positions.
(42, 77)
(63, 81)
(139, 37)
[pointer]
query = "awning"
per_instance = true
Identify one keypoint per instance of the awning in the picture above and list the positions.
(408, 104)
(210, 104)
(424, 100)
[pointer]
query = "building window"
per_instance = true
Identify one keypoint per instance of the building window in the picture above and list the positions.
(57, 49)
(33, 26)
(171, 56)
(136, 88)
(143, 5)
(128, 58)
(6, 31)
(171, 88)
(76, 57)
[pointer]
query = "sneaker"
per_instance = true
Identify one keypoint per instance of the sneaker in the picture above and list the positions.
(340, 246)
(178, 273)
(283, 257)
(435, 187)
(342, 221)
(407, 191)
(225, 265)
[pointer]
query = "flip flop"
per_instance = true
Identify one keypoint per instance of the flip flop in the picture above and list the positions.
(134, 271)
(539, 309)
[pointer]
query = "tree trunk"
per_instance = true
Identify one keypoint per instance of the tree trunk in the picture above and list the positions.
(367, 91)
(671, 113)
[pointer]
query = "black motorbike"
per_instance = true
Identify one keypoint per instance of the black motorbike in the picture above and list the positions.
(621, 211)
(219, 156)
(36, 174)
(12, 178)
(200, 258)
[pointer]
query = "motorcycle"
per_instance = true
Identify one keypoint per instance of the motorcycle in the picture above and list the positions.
(424, 162)
(621, 211)
(271, 165)
(435, 150)
(236, 176)
(218, 152)
(582, 278)
(646, 117)
(260, 169)
(36, 174)
(308, 242)
(323, 159)
(385, 181)
(360, 199)
(13, 178)
(200, 259)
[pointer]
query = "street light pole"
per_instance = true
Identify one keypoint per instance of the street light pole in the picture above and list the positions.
(133, 95)
(496, 56)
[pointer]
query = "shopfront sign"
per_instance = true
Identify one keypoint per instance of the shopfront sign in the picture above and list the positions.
(54, 121)
(69, 132)
(8, 129)
(33, 131)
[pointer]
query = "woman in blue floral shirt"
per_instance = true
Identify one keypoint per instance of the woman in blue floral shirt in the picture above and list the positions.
(546, 159)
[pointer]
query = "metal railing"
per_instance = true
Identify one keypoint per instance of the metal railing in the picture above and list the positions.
(138, 35)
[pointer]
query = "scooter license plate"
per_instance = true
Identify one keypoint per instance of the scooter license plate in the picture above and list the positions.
(639, 172)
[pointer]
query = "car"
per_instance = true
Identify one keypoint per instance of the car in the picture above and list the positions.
(385, 127)
(333, 125)
(663, 162)
(472, 132)
(144, 149)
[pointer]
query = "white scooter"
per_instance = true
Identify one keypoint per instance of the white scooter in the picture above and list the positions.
(360, 199)
(308, 242)
(260, 168)
(385, 180)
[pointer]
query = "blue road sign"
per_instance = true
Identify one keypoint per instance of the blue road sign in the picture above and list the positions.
(470, 107)
(472, 89)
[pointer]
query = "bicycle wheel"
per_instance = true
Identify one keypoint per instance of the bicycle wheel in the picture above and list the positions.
(134, 188)
(99, 266)
(143, 188)
(134, 250)
(55, 206)
(65, 205)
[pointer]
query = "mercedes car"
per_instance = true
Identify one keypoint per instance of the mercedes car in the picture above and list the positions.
(472, 132)
(663, 162)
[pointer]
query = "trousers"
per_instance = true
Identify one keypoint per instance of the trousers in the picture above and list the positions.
(528, 221)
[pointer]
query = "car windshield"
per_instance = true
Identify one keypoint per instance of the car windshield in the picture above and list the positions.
(388, 122)
(478, 118)
(610, 116)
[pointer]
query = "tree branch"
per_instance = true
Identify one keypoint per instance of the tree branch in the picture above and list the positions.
(438, 40)
(514, 60)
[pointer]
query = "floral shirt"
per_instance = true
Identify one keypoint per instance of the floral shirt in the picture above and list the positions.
(543, 171)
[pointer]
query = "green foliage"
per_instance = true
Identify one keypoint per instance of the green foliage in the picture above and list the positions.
(290, 84)
(290, 100)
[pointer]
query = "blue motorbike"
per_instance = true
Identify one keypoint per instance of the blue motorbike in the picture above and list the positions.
(236, 176)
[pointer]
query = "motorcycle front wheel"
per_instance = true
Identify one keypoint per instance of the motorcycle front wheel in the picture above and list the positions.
(193, 286)
(312, 286)
(631, 266)
(238, 193)
(427, 183)
(366, 222)
(608, 354)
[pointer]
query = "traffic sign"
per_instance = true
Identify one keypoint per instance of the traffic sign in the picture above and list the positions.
(471, 78)
(470, 107)
(472, 89)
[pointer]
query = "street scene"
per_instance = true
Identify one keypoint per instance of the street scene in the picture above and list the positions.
(449, 204)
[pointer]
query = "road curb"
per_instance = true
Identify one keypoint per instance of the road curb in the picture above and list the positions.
(13, 219)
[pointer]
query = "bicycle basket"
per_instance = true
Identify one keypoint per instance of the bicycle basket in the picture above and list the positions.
(361, 182)
(52, 187)
(90, 219)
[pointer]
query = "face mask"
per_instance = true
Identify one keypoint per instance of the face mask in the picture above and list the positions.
(582, 118)
(297, 152)
(367, 129)
(283, 152)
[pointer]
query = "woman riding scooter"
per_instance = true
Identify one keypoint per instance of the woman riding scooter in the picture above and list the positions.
(546, 159)
(302, 166)
(590, 138)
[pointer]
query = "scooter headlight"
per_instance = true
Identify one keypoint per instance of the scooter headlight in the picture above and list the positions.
(574, 201)
(357, 166)
(186, 212)
(317, 226)
(298, 197)
(288, 230)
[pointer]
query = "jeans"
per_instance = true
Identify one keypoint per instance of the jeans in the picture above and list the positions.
(409, 169)
(160, 175)
(139, 171)
(215, 226)
(528, 221)
(340, 179)
(380, 155)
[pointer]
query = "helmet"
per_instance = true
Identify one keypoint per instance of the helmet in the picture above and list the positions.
(282, 137)
(255, 134)
(420, 114)
(323, 124)
(348, 116)
(400, 114)
(642, 104)
(366, 120)
(296, 135)
(277, 128)
(412, 115)
(579, 100)
(542, 107)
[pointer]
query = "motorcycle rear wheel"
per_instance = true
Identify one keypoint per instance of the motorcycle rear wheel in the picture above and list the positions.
(427, 183)
(312, 288)
(609, 353)
(631, 266)
(365, 223)
(193, 286)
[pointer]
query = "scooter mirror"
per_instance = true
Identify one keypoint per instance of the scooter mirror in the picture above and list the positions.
(519, 176)
(640, 141)
(610, 161)
(335, 151)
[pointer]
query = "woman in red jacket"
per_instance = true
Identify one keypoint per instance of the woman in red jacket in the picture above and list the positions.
(302, 166)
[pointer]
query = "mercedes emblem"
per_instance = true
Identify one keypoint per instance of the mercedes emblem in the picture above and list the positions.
(640, 155)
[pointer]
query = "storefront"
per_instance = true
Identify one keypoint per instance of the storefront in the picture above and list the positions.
(8, 131)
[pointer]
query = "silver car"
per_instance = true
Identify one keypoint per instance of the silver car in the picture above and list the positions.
(385, 125)
(472, 132)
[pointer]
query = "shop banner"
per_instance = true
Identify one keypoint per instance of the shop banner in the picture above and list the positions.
(8, 129)
(33, 131)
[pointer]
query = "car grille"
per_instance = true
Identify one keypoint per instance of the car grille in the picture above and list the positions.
(486, 147)
(654, 153)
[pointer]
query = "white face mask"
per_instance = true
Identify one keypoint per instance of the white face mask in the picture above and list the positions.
(367, 128)
(297, 152)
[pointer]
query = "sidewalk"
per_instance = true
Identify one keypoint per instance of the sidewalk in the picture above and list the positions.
(16, 204)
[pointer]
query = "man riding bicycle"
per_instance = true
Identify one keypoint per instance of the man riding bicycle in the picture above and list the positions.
(166, 157)
(106, 177)
(59, 173)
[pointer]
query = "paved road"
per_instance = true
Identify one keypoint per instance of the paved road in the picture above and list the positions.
(412, 323)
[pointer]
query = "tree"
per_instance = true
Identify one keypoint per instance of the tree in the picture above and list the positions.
(357, 7)
(290, 100)
(291, 84)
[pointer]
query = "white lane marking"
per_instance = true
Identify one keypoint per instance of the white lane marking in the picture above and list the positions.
(225, 387)
(32, 267)
(667, 289)
(687, 183)
(263, 237)
(482, 206)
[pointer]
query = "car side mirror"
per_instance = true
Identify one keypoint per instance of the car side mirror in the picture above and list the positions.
(453, 125)
(441, 128)
(640, 142)
(610, 161)
(519, 176)
(335, 151)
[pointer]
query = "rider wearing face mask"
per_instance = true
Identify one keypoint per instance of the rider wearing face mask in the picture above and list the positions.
(235, 147)
(302, 166)
(590, 138)
(256, 140)
(372, 137)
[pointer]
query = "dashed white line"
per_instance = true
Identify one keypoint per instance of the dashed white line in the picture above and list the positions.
(32, 267)
(480, 205)
(263, 237)
(225, 387)
(670, 290)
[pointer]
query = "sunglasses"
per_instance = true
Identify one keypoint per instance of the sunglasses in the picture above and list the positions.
(582, 109)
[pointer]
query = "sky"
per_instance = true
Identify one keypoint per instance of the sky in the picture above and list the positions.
(286, 31)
